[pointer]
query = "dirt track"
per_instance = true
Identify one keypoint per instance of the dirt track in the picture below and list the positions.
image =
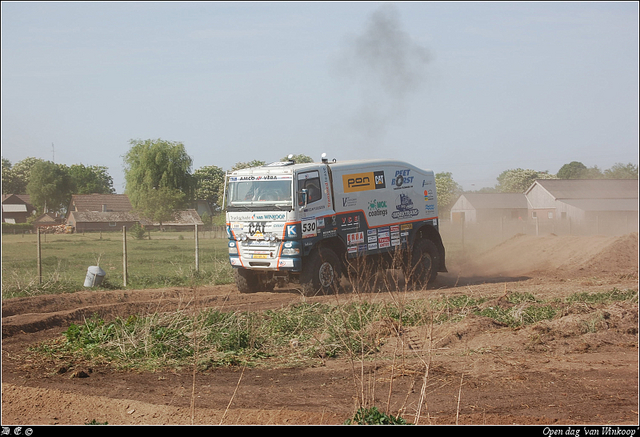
(480, 372)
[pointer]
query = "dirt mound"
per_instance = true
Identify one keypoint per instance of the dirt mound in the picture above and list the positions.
(558, 255)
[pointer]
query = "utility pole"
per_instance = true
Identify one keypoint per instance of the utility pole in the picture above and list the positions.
(53, 152)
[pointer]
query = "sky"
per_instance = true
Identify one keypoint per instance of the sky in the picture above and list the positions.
(469, 88)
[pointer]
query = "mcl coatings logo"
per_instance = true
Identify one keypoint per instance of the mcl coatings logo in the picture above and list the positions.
(363, 181)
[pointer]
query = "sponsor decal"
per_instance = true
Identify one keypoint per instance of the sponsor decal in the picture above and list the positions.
(292, 231)
(406, 226)
(377, 208)
(384, 242)
(256, 228)
(329, 234)
(355, 238)
(373, 246)
(403, 179)
(428, 195)
(348, 202)
(404, 208)
(430, 207)
(373, 180)
(285, 262)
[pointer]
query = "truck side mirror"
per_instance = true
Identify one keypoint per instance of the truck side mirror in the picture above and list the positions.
(303, 197)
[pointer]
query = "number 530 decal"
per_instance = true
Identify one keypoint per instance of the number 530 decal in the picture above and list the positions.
(309, 228)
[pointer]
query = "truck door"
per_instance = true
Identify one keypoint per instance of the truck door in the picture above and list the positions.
(316, 206)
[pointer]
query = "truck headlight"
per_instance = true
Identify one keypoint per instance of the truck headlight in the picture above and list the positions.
(291, 251)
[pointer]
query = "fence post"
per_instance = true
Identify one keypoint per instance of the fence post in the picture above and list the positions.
(124, 255)
(39, 257)
(197, 260)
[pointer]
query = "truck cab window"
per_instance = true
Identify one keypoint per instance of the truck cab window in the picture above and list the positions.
(310, 182)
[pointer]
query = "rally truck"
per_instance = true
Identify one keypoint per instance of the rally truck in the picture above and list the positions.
(307, 223)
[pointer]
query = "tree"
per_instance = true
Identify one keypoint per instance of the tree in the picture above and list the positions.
(50, 186)
(19, 175)
(91, 179)
(298, 159)
(577, 170)
(621, 171)
(8, 178)
(518, 180)
(448, 190)
(158, 177)
(241, 165)
(209, 182)
(573, 170)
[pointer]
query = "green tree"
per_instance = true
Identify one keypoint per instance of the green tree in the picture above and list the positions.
(50, 186)
(20, 173)
(91, 179)
(518, 180)
(158, 178)
(209, 182)
(622, 171)
(8, 179)
(448, 190)
(573, 170)
(577, 170)
(298, 159)
(241, 165)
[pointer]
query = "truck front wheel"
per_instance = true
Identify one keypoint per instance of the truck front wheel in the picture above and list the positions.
(422, 267)
(249, 281)
(321, 273)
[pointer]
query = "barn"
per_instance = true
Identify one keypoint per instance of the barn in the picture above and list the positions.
(594, 203)
(487, 207)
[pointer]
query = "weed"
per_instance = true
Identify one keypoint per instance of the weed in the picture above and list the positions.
(372, 416)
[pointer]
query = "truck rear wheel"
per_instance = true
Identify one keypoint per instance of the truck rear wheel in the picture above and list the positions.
(321, 274)
(422, 267)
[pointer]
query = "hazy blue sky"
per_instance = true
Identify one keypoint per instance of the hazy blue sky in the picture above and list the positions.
(468, 88)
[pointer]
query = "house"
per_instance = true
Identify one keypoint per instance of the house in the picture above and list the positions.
(582, 200)
(183, 220)
(88, 221)
(485, 207)
(16, 208)
(100, 203)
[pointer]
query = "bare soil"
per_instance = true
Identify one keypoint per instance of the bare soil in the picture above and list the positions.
(579, 368)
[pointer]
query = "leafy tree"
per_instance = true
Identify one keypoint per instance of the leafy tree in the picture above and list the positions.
(621, 171)
(50, 186)
(298, 159)
(209, 182)
(241, 165)
(577, 170)
(91, 179)
(573, 170)
(19, 175)
(158, 177)
(518, 180)
(448, 190)
(8, 179)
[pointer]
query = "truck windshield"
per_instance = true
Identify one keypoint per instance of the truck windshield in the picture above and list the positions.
(259, 193)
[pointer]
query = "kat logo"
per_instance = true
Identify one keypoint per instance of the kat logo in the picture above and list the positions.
(363, 181)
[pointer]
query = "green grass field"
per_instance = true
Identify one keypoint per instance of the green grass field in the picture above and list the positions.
(167, 259)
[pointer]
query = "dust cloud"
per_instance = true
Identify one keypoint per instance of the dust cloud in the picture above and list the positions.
(386, 67)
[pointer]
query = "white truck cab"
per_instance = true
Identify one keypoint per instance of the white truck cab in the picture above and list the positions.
(305, 221)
